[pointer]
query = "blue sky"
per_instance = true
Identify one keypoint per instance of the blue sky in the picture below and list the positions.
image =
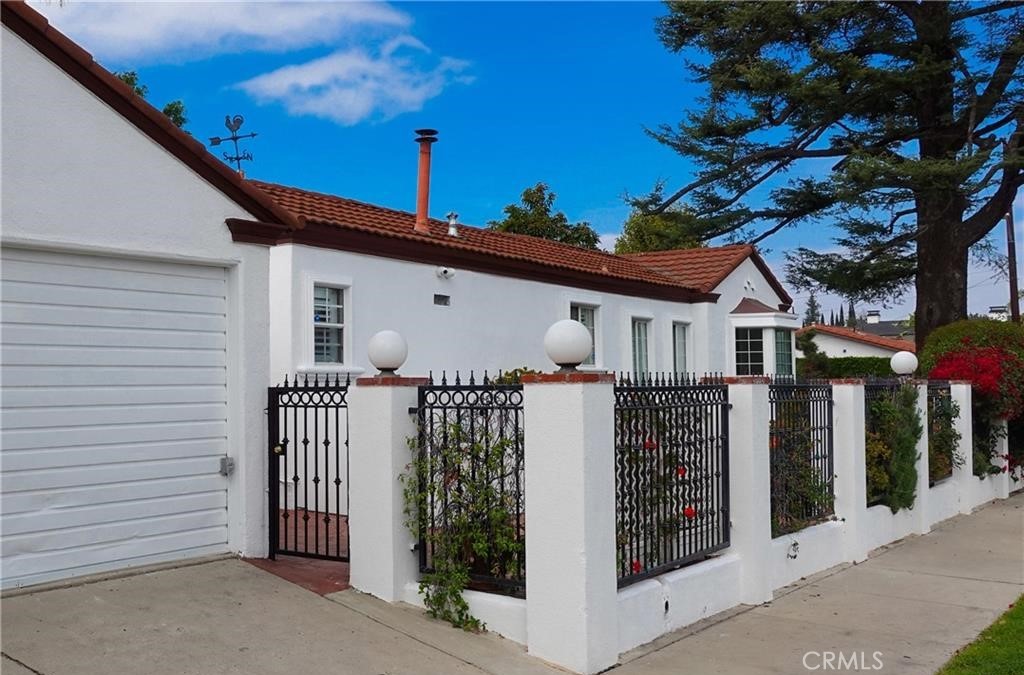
(521, 92)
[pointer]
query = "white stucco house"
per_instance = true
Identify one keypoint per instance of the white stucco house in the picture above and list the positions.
(839, 341)
(479, 299)
(134, 340)
(138, 341)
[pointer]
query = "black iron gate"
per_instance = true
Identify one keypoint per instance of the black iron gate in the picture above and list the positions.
(308, 476)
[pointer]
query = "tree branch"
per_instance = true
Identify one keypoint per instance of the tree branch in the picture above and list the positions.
(1001, 78)
(982, 10)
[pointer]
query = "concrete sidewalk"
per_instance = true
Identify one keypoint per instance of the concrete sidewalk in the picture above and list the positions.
(915, 602)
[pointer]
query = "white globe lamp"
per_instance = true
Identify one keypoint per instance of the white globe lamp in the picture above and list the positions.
(567, 343)
(387, 351)
(903, 363)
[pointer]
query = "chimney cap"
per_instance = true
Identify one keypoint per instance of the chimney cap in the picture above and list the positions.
(426, 135)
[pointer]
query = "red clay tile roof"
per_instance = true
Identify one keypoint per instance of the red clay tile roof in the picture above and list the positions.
(857, 336)
(752, 306)
(705, 268)
(67, 55)
(340, 212)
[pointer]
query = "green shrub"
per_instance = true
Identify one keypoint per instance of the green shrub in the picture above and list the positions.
(943, 438)
(980, 333)
(891, 455)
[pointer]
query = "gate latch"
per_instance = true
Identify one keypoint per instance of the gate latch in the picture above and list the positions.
(227, 466)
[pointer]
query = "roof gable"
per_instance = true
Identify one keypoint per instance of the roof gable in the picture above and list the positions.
(706, 268)
(79, 64)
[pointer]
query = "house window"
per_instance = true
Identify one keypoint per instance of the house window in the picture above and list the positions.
(783, 352)
(640, 351)
(328, 324)
(749, 351)
(587, 316)
(679, 347)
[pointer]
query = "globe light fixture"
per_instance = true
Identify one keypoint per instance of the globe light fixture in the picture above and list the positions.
(387, 351)
(567, 343)
(903, 363)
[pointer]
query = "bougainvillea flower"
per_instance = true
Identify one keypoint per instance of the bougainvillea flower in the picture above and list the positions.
(636, 567)
(690, 512)
(681, 471)
(650, 444)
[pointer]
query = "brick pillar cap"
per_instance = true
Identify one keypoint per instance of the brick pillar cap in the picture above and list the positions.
(392, 381)
(747, 379)
(575, 377)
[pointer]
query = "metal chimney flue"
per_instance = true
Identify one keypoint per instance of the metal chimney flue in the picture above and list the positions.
(426, 138)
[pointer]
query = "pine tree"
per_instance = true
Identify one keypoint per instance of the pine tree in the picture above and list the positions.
(899, 122)
(813, 310)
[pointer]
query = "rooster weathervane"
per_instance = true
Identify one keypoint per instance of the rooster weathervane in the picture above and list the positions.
(233, 124)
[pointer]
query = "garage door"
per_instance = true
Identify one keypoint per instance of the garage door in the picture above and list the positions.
(114, 414)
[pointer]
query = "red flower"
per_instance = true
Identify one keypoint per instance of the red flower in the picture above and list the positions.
(690, 512)
(636, 567)
(1005, 468)
(681, 471)
(650, 444)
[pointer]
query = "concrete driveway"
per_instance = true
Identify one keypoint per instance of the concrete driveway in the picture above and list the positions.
(231, 617)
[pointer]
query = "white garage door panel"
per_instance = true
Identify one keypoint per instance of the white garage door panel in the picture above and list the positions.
(49, 295)
(56, 519)
(29, 397)
(71, 538)
(152, 357)
(25, 569)
(113, 413)
(98, 376)
(26, 334)
(25, 439)
(90, 455)
(27, 418)
(27, 502)
(73, 476)
(95, 317)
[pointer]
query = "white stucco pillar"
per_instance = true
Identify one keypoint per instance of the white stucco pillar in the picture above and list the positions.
(382, 557)
(750, 504)
(849, 461)
(1001, 460)
(963, 475)
(571, 606)
(922, 492)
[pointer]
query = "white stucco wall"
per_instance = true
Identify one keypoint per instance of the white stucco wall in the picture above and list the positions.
(492, 323)
(834, 346)
(76, 176)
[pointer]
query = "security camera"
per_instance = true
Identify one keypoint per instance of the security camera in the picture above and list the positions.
(445, 272)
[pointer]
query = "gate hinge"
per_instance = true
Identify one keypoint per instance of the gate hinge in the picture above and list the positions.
(227, 466)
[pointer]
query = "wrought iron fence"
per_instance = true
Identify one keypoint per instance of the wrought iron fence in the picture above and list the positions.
(671, 473)
(307, 422)
(471, 479)
(876, 450)
(942, 434)
(801, 442)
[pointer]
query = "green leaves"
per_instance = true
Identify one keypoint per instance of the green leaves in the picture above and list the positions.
(534, 217)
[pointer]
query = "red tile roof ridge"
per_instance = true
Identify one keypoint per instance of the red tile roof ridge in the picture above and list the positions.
(856, 335)
(438, 235)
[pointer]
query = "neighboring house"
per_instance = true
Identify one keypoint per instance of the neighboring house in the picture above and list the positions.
(134, 338)
(480, 299)
(835, 341)
(873, 324)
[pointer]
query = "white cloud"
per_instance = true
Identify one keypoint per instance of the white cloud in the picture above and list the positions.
(607, 242)
(144, 32)
(360, 83)
(376, 70)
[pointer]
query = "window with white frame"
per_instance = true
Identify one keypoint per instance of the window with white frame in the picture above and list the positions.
(783, 352)
(749, 351)
(587, 315)
(679, 347)
(328, 324)
(641, 364)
